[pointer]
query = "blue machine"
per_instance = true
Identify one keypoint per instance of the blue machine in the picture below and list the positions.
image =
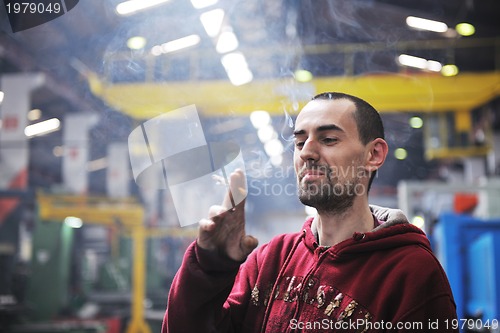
(469, 250)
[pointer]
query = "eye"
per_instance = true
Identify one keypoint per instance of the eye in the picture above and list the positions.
(329, 140)
(299, 144)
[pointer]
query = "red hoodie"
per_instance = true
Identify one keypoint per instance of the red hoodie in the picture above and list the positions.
(384, 280)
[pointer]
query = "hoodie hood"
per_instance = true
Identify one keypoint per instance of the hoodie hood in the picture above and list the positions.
(388, 217)
(393, 230)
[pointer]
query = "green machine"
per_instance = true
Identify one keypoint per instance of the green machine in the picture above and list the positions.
(49, 282)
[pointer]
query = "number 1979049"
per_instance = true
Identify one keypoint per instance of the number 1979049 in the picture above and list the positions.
(34, 7)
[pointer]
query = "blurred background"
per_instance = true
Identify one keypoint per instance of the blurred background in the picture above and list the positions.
(83, 248)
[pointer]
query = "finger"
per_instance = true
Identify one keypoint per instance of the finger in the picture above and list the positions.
(215, 211)
(205, 229)
(206, 225)
(237, 183)
(248, 244)
(237, 189)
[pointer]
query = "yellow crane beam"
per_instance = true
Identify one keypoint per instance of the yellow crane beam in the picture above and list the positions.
(96, 210)
(387, 92)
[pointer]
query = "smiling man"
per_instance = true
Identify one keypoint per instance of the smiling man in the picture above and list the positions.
(352, 268)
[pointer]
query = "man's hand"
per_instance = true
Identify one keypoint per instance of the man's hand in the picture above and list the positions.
(224, 230)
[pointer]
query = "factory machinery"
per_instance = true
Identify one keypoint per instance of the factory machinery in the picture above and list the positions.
(70, 285)
(463, 224)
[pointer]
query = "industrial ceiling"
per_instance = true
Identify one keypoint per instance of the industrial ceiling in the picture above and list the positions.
(331, 38)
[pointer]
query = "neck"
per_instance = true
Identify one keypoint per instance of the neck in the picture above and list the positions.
(334, 228)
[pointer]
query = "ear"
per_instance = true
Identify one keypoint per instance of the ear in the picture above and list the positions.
(377, 152)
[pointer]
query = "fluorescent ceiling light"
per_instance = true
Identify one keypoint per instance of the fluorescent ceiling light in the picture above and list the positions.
(1, 96)
(212, 21)
(418, 221)
(156, 50)
(73, 222)
(236, 68)
(434, 66)
(416, 122)
(260, 118)
(198, 4)
(411, 61)
(465, 29)
(95, 165)
(400, 153)
(43, 127)
(58, 151)
(273, 147)
(136, 43)
(302, 75)
(227, 42)
(425, 24)
(449, 70)
(132, 6)
(421, 63)
(240, 77)
(276, 160)
(267, 133)
(176, 45)
(34, 114)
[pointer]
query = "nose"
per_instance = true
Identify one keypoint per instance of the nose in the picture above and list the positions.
(309, 151)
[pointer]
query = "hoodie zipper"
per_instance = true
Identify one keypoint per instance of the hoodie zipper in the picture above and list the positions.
(308, 281)
(280, 274)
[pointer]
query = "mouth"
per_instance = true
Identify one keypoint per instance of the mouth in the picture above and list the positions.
(311, 174)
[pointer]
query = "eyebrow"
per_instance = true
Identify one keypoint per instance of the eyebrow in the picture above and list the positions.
(323, 128)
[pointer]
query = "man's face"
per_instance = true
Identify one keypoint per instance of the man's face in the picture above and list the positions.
(329, 156)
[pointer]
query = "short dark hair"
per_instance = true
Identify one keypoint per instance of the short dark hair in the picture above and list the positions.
(368, 120)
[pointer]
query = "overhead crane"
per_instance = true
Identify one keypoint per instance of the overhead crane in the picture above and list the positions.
(386, 92)
(425, 93)
(430, 94)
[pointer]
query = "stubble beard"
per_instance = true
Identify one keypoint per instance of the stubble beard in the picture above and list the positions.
(331, 195)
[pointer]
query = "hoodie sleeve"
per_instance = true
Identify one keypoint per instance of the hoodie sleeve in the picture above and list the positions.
(430, 301)
(198, 298)
(436, 315)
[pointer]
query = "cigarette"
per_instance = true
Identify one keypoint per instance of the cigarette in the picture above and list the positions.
(219, 180)
(222, 181)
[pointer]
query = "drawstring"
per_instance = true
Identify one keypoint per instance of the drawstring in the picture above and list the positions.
(280, 274)
(358, 236)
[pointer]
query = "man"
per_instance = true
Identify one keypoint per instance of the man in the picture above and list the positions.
(352, 268)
